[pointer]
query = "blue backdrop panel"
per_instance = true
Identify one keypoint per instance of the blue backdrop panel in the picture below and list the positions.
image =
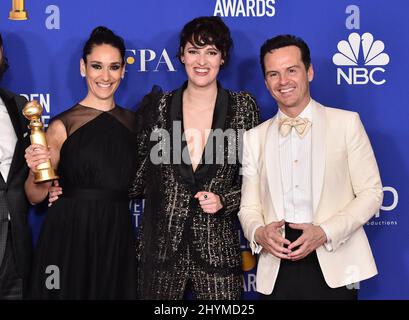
(370, 78)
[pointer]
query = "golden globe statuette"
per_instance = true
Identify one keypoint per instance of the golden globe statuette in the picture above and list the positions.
(32, 111)
(18, 12)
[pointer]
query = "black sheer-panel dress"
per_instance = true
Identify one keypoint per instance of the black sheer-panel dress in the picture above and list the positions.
(86, 244)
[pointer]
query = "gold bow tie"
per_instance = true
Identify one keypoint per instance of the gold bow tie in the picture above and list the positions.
(301, 125)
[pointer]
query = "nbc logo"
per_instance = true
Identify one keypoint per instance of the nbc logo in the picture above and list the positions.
(350, 56)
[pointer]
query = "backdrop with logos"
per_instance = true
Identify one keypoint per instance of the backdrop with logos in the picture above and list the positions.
(360, 64)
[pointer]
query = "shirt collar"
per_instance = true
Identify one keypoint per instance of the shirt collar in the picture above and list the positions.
(2, 105)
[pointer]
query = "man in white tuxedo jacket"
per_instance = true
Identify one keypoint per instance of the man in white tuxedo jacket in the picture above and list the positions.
(310, 183)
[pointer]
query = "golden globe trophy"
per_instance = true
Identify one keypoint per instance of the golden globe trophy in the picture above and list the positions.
(18, 12)
(32, 111)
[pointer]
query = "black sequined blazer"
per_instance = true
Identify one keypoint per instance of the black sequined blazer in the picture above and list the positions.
(173, 220)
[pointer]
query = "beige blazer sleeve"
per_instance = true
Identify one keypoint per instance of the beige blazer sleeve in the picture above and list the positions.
(366, 185)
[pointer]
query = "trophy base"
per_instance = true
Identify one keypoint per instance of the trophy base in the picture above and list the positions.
(18, 15)
(44, 176)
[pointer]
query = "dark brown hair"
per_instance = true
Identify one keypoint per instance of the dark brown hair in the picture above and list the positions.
(4, 64)
(285, 40)
(102, 35)
(204, 31)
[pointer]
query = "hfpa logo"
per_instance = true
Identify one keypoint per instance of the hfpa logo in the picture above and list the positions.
(149, 60)
(372, 55)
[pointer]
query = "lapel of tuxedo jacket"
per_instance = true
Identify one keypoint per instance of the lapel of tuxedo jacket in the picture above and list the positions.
(318, 151)
(272, 163)
(13, 112)
(208, 166)
(2, 182)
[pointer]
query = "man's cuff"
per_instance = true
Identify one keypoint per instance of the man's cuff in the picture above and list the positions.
(328, 244)
(255, 247)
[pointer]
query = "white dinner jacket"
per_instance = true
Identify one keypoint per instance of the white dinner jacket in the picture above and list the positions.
(346, 192)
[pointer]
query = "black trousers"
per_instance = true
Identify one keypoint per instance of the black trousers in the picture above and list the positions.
(11, 285)
(303, 279)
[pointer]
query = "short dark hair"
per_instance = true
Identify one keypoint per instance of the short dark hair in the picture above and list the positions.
(285, 40)
(204, 31)
(4, 64)
(102, 35)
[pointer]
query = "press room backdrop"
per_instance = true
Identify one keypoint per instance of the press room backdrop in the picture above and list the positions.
(359, 52)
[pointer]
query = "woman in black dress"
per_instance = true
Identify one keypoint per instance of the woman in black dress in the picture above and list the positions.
(188, 170)
(85, 249)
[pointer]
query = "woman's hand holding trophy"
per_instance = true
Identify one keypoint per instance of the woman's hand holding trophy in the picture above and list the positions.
(37, 154)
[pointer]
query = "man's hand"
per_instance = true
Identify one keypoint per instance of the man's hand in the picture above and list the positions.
(269, 237)
(312, 237)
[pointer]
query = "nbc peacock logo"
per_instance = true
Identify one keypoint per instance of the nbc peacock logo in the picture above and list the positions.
(360, 60)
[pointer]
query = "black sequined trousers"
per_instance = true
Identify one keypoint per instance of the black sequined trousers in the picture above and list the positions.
(171, 283)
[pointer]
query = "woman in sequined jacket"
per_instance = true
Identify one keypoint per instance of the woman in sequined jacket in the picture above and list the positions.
(188, 171)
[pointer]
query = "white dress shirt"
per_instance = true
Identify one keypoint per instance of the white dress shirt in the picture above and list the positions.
(295, 163)
(295, 155)
(8, 141)
(296, 174)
